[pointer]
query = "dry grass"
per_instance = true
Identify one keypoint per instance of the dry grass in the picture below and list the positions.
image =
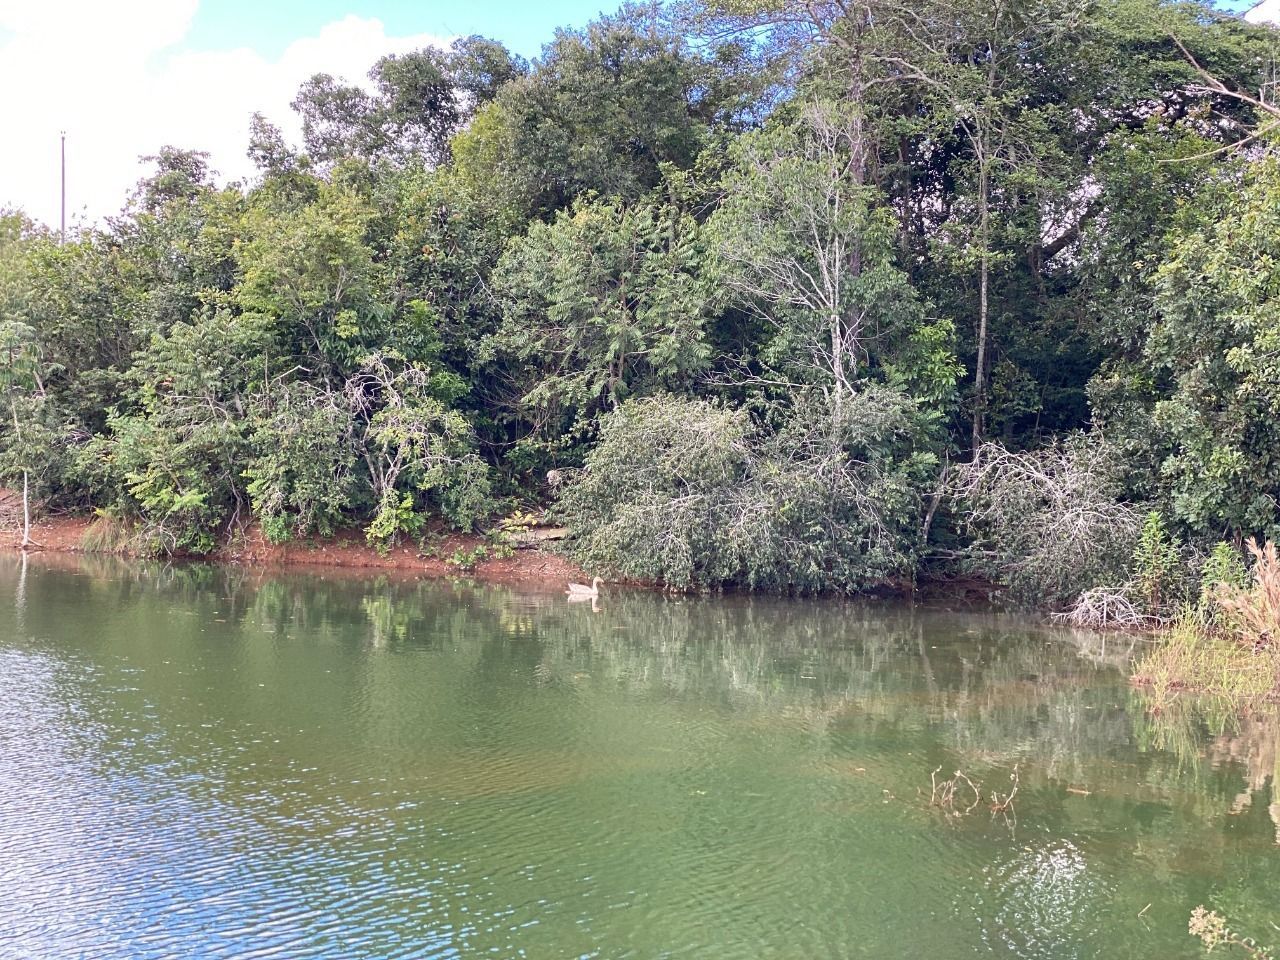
(1238, 657)
(108, 534)
(1252, 613)
(1190, 657)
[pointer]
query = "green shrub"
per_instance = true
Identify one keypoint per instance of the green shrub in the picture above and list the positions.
(301, 477)
(1156, 564)
(692, 494)
(1223, 566)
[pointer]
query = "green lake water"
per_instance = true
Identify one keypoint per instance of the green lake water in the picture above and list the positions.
(201, 762)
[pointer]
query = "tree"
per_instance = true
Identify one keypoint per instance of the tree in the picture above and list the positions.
(601, 112)
(33, 447)
(480, 67)
(801, 242)
(311, 271)
(1217, 340)
(601, 304)
(970, 59)
(411, 114)
(448, 239)
(302, 477)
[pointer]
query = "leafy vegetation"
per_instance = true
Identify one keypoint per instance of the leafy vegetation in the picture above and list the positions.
(751, 293)
(1234, 651)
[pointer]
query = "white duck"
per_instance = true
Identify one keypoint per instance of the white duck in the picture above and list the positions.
(580, 591)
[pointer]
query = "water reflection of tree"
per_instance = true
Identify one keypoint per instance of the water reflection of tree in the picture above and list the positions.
(1231, 738)
(862, 696)
(998, 691)
(999, 686)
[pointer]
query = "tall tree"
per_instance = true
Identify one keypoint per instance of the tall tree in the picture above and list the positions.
(802, 242)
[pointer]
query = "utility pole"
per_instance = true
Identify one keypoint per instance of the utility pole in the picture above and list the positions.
(63, 233)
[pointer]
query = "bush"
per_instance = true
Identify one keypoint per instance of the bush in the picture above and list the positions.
(1049, 524)
(652, 501)
(1156, 562)
(695, 495)
(300, 478)
(420, 454)
(1224, 567)
(174, 463)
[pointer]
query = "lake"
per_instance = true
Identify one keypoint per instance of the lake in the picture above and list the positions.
(205, 762)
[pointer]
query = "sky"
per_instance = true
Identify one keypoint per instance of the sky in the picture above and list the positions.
(124, 77)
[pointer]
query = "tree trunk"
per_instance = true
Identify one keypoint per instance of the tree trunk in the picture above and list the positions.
(26, 483)
(984, 276)
(26, 512)
(858, 153)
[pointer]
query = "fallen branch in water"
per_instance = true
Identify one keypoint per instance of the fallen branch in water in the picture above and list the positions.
(944, 793)
(1004, 805)
(948, 794)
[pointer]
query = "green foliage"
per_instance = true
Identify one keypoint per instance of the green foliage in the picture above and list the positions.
(601, 112)
(395, 518)
(726, 266)
(1223, 567)
(311, 272)
(650, 501)
(695, 495)
(803, 243)
(447, 239)
(1218, 342)
(420, 99)
(468, 560)
(302, 476)
(175, 461)
(600, 305)
(419, 454)
(1156, 562)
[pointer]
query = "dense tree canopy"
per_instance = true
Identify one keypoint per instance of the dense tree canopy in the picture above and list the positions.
(752, 281)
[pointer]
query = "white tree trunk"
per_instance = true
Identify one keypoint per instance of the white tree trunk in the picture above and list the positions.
(984, 278)
(26, 512)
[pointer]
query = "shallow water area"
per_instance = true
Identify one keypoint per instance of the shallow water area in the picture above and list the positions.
(216, 762)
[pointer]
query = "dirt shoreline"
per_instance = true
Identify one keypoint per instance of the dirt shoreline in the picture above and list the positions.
(348, 554)
(346, 550)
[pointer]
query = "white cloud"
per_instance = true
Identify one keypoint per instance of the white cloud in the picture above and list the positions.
(109, 75)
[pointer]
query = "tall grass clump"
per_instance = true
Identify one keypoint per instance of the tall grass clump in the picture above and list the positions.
(1228, 649)
(1252, 613)
(108, 534)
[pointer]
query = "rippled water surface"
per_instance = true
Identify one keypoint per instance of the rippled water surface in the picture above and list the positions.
(207, 763)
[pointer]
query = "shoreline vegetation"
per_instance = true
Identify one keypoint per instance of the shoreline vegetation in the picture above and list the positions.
(1225, 646)
(449, 554)
(798, 298)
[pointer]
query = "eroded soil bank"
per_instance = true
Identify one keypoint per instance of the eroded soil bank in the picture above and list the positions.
(66, 534)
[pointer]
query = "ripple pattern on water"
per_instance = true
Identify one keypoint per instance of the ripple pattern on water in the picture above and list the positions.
(196, 764)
